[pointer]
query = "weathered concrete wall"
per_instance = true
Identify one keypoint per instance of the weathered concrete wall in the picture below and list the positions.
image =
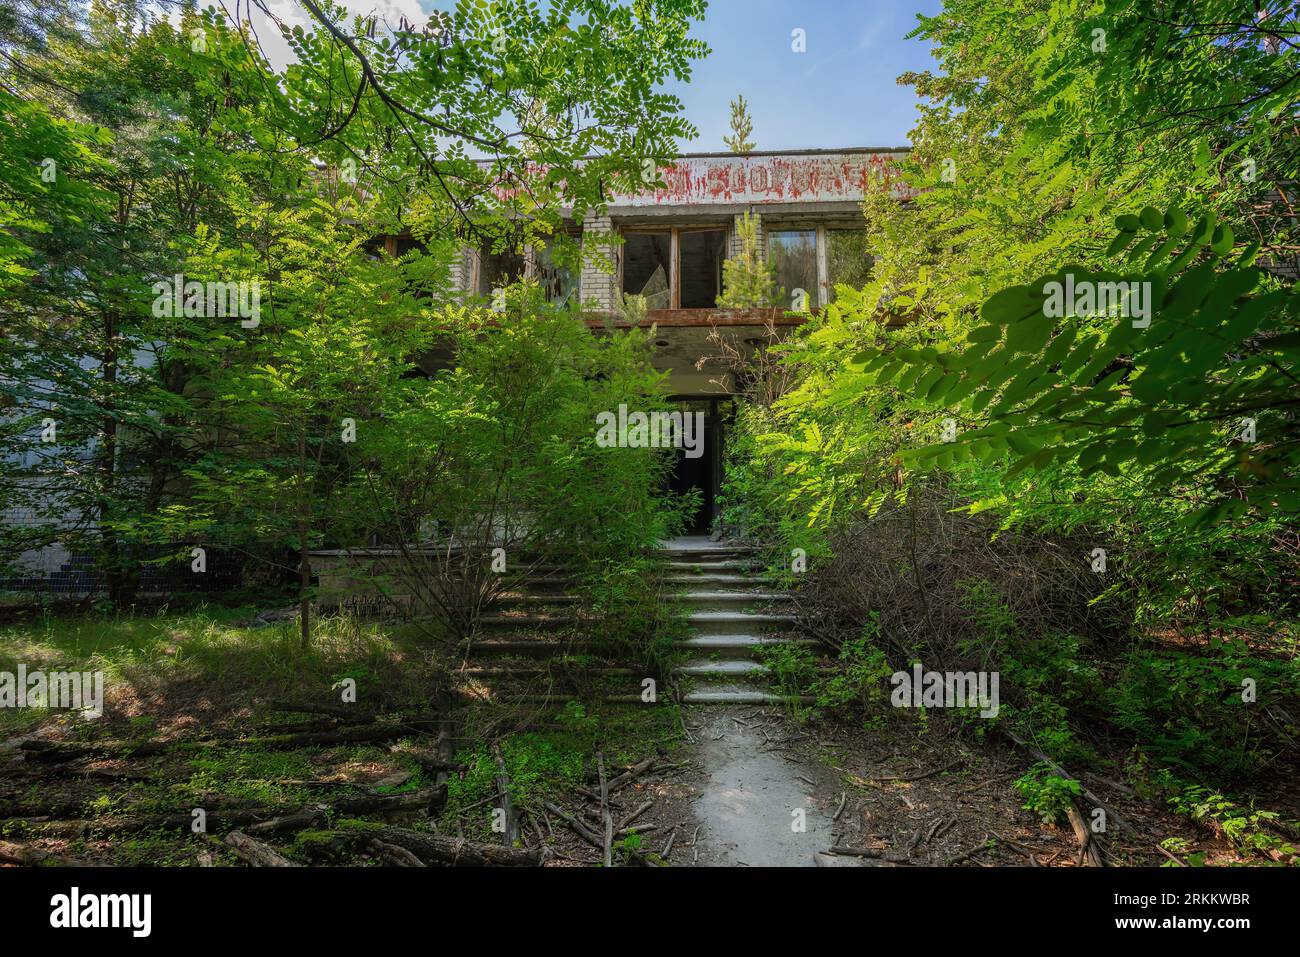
(757, 178)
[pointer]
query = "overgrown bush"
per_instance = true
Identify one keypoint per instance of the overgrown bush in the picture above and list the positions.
(1115, 613)
(489, 469)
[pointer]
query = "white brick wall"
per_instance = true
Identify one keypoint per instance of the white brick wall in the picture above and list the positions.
(459, 274)
(734, 245)
(599, 281)
(42, 561)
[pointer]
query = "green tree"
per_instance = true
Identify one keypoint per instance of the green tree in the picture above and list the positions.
(748, 280)
(212, 166)
(86, 348)
(741, 127)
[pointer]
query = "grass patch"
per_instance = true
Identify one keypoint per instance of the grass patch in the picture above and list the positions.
(202, 662)
(546, 764)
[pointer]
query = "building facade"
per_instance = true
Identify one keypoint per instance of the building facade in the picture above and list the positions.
(668, 245)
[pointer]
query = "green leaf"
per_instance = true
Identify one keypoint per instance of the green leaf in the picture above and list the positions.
(1010, 305)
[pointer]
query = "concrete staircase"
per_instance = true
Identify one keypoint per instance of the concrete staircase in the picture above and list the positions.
(733, 613)
(533, 642)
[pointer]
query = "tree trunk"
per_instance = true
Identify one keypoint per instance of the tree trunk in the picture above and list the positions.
(304, 543)
(304, 589)
(119, 576)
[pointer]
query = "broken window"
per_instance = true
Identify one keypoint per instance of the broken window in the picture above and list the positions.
(404, 244)
(559, 280)
(847, 260)
(701, 255)
(498, 270)
(647, 267)
(793, 255)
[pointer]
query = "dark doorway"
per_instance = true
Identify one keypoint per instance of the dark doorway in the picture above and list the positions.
(702, 254)
(705, 471)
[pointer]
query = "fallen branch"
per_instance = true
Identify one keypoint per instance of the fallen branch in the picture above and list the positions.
(257, 819)
(28, 856)
(961, 858)
(503, 790)
(843, 851)
(1111, 813)
(641, 809)
(346, 712)
(394, 855)
(59, 752)
(455, 850)
(607, 849)
(632, 773)
(576, 826)
(256, 853)
(1089, 849)
(844, 796)
(299, 820)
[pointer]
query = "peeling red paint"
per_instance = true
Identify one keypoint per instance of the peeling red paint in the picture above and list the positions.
(768, 179)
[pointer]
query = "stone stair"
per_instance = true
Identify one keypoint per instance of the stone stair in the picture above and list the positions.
(733, 613)
(531, 639)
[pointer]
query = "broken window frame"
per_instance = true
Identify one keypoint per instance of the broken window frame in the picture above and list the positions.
(828, 292)
(536, 263)
(674, 255)
(817, 293)
(823, 296)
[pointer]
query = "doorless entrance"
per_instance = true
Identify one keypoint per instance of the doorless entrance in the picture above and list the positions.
(705, 472)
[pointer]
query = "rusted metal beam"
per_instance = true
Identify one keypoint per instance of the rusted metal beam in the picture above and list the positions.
(703, 318)
(708, 317)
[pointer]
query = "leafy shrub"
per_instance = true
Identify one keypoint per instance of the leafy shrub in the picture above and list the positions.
(1047, 794)
(1247, 828)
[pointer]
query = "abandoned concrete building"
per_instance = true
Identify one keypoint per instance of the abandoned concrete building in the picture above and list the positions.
(806, 205)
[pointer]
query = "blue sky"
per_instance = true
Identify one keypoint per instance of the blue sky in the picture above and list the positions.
(841, 92)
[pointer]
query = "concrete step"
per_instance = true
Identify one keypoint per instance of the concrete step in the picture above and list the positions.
(703, 667)
(733, 603)
(700, 546)
(533, 599)
(527, 622)
(527, 648)
(533, 671)
(737, 645)
(718, 578)
(757, 593)
(736, 694)
(739, 622)
(711, 566)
